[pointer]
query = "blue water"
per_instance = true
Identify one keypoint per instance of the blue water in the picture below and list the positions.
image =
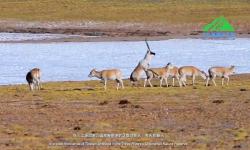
(73, 61)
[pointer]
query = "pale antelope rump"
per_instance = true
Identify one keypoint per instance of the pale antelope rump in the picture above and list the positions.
(223, 72)
(142, 66)
(105, 75)
(33, 79)
(191, 71)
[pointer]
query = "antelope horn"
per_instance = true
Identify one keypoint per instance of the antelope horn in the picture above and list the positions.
(147, 44)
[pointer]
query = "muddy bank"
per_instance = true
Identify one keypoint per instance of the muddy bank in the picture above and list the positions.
(100, 31)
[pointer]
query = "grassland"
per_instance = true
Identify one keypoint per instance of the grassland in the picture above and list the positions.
(149, 11)
(202, 117)
(121, 18)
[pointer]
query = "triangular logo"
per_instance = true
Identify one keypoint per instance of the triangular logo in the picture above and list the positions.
(219, 24)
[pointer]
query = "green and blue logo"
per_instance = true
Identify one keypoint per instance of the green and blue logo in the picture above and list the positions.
(219, 28)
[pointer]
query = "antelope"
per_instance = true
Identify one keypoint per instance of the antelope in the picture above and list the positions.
(222, 72)
(142, 66)
(162, 73)
(33, 79)
(105, 75)
(173, 72)
(190, 71)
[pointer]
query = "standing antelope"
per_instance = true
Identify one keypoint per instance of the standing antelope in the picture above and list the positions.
(190, 71)
(105, 75)
(142, 66)
(33, 79)
(162, 73)
(173, 72)
(222, 72)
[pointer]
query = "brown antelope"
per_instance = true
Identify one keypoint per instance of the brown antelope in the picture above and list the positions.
(105, 75)
(161, 73)
(173, 72)
(33, 79)
(190, 71)
(156, 73)
(222, 72)
(142, 66)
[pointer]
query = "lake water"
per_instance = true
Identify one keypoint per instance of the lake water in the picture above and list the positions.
(73, 61)
(17, 37)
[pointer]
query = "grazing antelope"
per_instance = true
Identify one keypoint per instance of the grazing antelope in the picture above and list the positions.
(162, 73)
(105, 75)
(33, 79)
(222, 72)
(190, 71)
(142, 66)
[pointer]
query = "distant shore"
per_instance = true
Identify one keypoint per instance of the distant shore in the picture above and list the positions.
(100, 31)
(114, 20)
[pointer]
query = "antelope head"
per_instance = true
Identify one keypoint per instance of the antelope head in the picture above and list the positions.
(92, 73)
(204, 75)
(232, 69)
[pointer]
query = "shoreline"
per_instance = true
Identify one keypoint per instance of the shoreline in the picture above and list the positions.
(106, 31)
(94, 80)
(113, 39)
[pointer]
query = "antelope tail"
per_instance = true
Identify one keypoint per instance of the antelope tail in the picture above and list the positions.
(132, 78)
(154, 73)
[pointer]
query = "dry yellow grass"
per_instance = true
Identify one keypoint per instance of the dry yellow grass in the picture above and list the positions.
(150, 11)
(203, 117)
